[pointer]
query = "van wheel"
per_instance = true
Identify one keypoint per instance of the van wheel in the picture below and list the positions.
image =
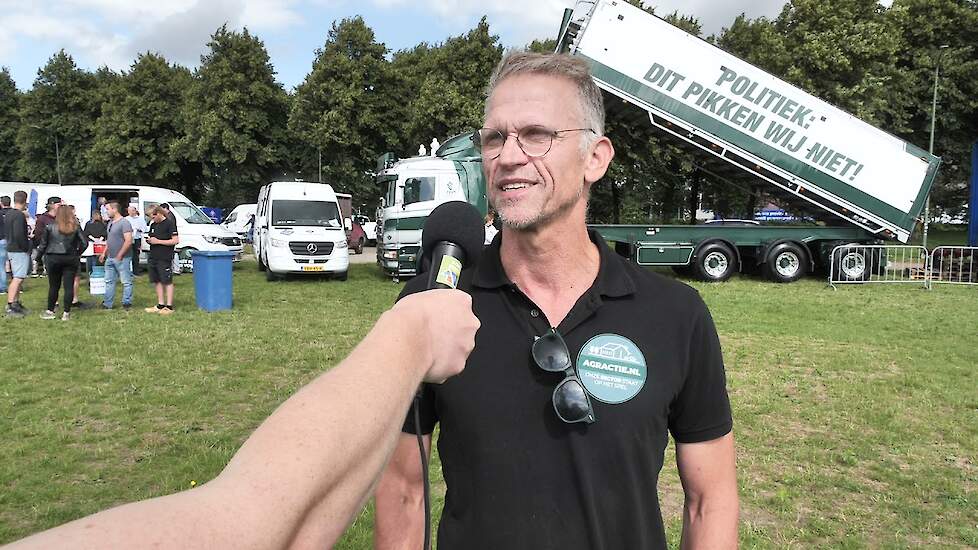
(271, 276)
(786, 263)
(715, 262)
(261, 264)
(342, 276)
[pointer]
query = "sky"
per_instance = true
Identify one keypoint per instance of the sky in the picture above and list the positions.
(113, 32)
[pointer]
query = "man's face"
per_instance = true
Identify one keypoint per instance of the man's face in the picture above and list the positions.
(132, 211)
(112, 210)
(530, 191)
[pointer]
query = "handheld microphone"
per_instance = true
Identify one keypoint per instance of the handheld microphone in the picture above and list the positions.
(452, 239)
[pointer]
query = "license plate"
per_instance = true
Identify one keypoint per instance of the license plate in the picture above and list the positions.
(312, 268)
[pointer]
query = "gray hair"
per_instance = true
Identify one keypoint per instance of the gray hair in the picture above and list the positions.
(574, 69)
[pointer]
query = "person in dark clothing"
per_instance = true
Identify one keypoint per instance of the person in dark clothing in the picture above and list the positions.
(18, 252)
(95, 231)
(43, 220)
(62, 244)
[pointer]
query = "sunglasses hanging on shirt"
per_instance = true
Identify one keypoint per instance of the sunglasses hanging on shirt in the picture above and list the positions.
(571, 402)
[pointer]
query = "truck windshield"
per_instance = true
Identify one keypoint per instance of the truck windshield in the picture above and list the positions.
(315, 213)
(190, 213)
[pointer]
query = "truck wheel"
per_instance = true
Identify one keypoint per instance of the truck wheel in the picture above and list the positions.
(851, 264)
(786, 263)
(715, 262)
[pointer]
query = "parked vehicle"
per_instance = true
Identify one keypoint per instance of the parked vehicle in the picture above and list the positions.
(356, 237)
(860, 184)
(857, 184)
(197, 231)
(299, 229)
(414, 187)
(237, 220)
(369, 227)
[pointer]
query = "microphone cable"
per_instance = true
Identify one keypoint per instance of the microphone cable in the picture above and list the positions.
(424, 471)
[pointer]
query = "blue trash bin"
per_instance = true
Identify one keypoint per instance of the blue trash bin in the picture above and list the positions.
(212, 279)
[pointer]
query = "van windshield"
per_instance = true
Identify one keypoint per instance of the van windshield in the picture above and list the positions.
(190, 213)
(315, 213)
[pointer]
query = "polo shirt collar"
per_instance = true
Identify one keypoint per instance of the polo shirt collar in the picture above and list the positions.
(613, 279)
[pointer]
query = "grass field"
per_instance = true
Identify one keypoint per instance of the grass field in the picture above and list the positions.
(856, 411)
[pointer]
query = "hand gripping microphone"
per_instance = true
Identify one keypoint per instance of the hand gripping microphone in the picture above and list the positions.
(452, 239)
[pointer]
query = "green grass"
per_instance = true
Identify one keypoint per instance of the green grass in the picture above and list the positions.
(856, 411)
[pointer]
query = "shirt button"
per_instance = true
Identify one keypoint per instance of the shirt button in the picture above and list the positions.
(534, 313)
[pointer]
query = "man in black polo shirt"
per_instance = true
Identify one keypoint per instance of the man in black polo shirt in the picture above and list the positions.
(526, 467)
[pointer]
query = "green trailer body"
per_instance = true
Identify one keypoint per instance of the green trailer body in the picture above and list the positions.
(859, 184)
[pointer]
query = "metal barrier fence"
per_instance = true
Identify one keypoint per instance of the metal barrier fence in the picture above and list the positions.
(956, 265)
(877, 263)
(857, 263)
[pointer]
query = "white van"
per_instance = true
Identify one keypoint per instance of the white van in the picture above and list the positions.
(298, 229)
(237, 221)
(197, 231)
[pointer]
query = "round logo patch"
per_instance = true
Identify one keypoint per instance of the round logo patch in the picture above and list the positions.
(612, 368)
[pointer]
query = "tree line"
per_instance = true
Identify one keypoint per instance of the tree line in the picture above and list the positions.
(218, 132)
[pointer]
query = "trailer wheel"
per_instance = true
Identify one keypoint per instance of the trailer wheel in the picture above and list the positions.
(715, 262)
(851, 265)
(786, 263)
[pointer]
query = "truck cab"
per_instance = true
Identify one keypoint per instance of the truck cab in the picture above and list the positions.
(412, 189)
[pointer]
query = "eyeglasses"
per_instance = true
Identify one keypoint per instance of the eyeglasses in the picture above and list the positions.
(571, 402)
(534, 141)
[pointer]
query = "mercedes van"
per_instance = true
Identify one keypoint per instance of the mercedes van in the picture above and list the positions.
(299, 229)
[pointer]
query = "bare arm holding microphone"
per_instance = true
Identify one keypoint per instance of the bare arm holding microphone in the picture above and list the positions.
(304, 474)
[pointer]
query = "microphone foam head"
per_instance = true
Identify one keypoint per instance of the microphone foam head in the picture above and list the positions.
(456, 222)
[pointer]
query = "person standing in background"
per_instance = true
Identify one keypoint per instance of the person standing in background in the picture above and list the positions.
(40, 223)
(95, 231)
(118, 264)
(103, 208)
(163, 239)
(4, 208)
(491, 230)
(138, 231)
(18, 252)
(62, 244)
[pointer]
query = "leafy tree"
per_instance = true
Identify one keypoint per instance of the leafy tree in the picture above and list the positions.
(9, 123)
(58, 114)
(233, 118)
(450, 82)
(347, 109)
(135, 134)
(923, 27)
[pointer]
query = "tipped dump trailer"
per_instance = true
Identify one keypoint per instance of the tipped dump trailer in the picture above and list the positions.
(744, 125)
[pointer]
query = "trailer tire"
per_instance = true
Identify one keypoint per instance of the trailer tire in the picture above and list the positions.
(786, 263)
(851, 265)
(715, 262)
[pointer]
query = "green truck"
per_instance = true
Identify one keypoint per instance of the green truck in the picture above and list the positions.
(858, 184)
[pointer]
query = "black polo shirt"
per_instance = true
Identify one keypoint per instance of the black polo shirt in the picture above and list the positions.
(519, 477)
